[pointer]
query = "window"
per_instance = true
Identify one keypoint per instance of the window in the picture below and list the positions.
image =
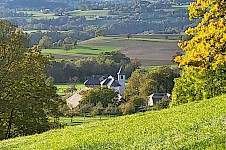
(122, 77)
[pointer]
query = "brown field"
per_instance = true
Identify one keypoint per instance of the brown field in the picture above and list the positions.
(150, 53)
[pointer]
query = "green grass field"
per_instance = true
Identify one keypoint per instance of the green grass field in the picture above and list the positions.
(198, 125)
(83, 50)
(62, 87)
(78, 120)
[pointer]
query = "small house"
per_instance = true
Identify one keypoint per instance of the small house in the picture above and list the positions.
(155, 97)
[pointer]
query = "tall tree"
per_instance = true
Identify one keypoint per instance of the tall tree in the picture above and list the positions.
(46, 42)
(205, 54)
(26, 102)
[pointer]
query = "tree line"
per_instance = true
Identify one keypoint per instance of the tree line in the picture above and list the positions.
(105, 64)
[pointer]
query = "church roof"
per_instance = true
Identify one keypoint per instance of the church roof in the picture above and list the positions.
(121, 71)
(92, 82)
(110, 81)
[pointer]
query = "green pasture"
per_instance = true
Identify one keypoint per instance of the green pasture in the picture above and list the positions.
(196, 125)
(61, 87)
(78, 120)
(83, 50)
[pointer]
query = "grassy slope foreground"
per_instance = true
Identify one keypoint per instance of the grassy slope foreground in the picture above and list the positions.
(200, 125)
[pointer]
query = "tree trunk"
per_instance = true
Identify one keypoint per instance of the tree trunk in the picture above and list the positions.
(8, 133)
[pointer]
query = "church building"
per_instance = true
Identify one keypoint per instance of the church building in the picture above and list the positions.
(115, 83)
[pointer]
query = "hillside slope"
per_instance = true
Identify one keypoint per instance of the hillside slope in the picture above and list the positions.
(200, 125)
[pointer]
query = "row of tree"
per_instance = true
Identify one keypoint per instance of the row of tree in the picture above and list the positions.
(105, 64)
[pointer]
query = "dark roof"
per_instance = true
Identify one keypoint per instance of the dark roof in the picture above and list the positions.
(115, 83)
(121, 71)
(105, 81)
(110, 81)
(92, 82)
(158, 96)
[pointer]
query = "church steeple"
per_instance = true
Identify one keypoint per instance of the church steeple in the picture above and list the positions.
(121, 79)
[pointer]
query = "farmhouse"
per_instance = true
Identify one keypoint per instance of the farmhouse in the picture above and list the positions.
(115, 83)
(155, 97)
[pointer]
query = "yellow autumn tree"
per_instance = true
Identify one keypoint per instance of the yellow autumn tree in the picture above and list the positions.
(203, 62)
(206, 50)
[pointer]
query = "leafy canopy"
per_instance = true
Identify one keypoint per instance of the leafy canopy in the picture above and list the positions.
(26, 102)
(206, 50)
(204, 62)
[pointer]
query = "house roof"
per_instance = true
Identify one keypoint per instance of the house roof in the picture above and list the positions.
(121, 71)
(157, 96)
(110, 81)
(92, 82)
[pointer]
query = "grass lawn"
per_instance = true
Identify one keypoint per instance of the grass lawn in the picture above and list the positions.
(78, 120)
(62, 87)
(197, 125)
(83, 50)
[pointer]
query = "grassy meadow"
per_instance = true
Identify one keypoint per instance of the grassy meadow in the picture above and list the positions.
(63, 86)
(198, 125)
(78, 120)
(85, 50)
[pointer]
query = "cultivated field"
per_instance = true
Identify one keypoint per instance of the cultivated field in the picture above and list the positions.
(152, 50)
(198, 126)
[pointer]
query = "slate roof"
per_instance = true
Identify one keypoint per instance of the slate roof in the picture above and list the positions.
(158, 96)
(110, 81)
(92, 82)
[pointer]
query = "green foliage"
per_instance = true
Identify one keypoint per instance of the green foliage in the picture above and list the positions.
(135, 104)
(46, 42)
(98, 109)
(143, 83)
(204, 61)
(163, 103)
(191, 126)
(193, 86)
(27, 103)
(104, 64)
(101, 95)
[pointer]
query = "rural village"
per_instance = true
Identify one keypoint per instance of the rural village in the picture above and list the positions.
(112, 74)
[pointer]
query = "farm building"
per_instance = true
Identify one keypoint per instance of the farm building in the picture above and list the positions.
(155, 97)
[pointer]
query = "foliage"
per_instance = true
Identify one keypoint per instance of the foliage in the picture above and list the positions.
(204, 60)
(105, 64)
(27, 103)
(135, 104)
(98, 109)
(100, 95)
(127, 108)
(143, 83)
(163, 103)
(46, 42)
(190, 126)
